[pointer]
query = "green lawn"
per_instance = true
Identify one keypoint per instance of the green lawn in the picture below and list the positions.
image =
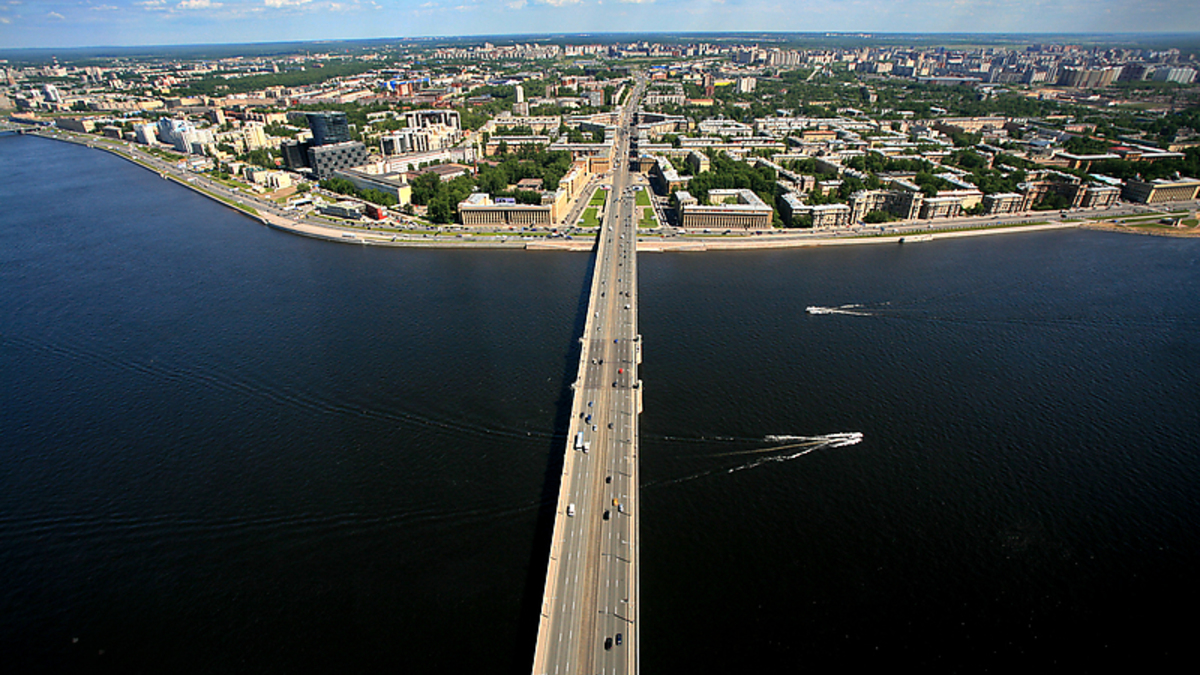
(648, 218)
(589, 218)
(643, 199)
(163, 154)
(237, 205)
(227, 182)
(1141, 221)
(598, 198)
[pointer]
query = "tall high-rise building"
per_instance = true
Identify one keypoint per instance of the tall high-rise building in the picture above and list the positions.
(327, 159)
(328, 127)
(295, 154)
(172, 131)
(520, 94)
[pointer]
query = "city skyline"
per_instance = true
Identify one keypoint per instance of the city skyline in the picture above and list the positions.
(91, 23)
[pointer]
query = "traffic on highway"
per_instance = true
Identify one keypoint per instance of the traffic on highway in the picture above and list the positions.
(589, 621)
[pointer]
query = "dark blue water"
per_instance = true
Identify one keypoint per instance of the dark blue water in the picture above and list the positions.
(1028, 490)
(229, 449)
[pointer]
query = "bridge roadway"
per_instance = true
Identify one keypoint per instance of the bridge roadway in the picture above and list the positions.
(591, 596)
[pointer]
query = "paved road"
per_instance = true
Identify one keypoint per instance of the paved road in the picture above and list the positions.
(592, 581)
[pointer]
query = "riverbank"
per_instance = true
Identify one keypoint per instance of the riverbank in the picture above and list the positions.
(1151, 230)
(803, 241)
(647, 243)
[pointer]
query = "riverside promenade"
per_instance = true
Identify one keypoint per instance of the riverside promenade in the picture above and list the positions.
(274, 216)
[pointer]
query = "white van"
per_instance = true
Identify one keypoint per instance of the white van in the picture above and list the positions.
(570, 509)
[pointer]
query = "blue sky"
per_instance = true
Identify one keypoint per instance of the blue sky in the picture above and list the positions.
(72, 23)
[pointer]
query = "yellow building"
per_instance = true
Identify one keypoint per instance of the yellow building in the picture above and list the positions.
(478, 210)
(1158, 191)
(726, 210)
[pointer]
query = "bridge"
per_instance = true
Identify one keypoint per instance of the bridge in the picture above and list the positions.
(590, 607)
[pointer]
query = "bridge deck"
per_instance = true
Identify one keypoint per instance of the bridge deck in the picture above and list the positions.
(591, 597)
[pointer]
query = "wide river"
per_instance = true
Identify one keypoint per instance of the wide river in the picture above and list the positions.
(229, 449)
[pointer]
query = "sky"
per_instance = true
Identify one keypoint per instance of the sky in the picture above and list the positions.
(86, 23)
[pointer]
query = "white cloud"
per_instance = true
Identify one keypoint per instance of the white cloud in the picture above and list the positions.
(55, 15)
(198, 4)
(560, 3)
(285, 3)
(636, 2)
(102, 8)
(5, 19)
(517, 4)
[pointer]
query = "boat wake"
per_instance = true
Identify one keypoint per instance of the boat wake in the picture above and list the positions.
(802, 444)
(837, 440)
(793, 447)
(851, 310)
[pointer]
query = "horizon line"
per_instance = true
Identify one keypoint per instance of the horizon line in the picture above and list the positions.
(550, 35)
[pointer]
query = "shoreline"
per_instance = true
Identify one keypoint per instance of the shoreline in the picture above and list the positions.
(645, 245)
(1176, 233)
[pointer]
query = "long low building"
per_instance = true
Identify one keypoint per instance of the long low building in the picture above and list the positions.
(366, 177)
(1161, 190)
(541, 124)
(495, 142)
(413, 161)
(726, 210)
(479, 210)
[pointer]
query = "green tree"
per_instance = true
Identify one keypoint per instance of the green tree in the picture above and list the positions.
(1052, 201)
(441, 210)
(263, 157)
(425, 188)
